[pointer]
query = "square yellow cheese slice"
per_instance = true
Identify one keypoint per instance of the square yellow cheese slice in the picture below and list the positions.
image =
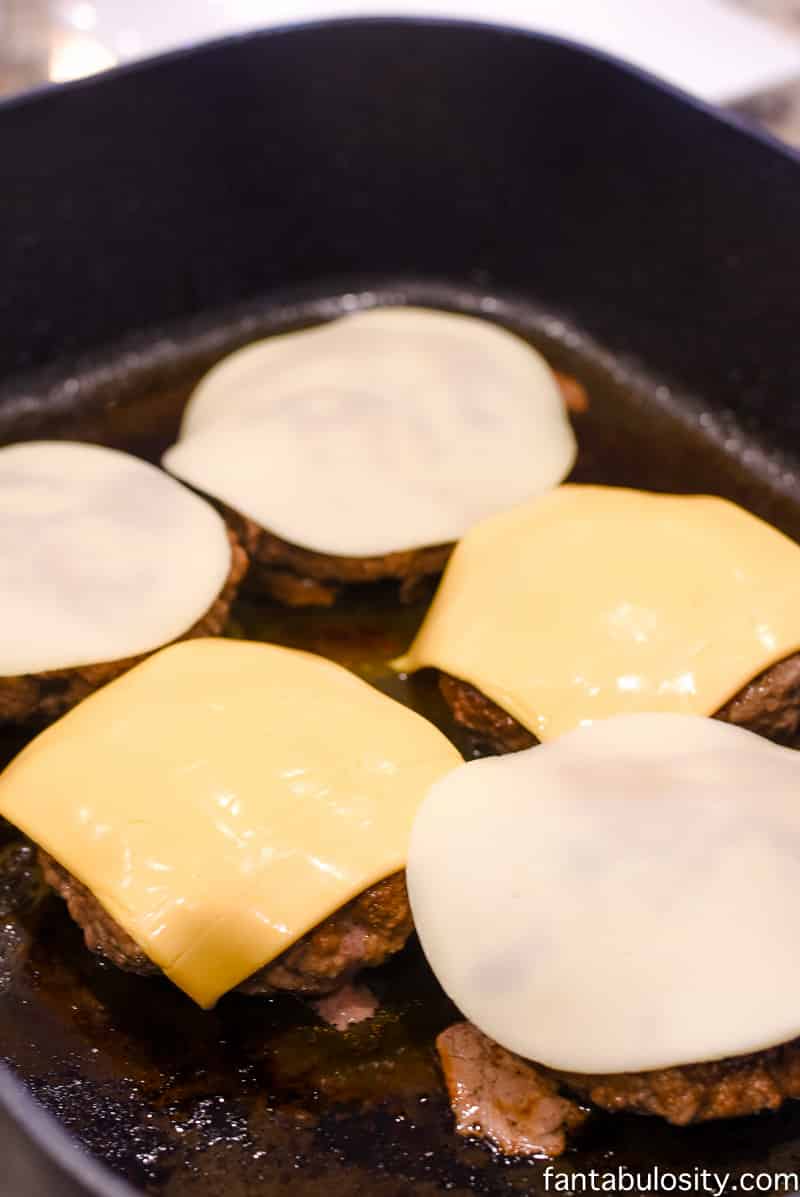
(223, 798)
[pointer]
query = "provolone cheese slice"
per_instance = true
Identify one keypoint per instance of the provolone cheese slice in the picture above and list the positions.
(624, 898)
(385, 430)
(102, 556)
(223, 798)
(594, 601)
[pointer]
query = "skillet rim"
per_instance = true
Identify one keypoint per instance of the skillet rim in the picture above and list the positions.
(39, 1130)
(726, 116)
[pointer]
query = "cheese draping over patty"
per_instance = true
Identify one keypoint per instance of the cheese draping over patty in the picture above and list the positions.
(223, 798)
(594, 601)
(102, 556)
(385, 430)
(623, 898)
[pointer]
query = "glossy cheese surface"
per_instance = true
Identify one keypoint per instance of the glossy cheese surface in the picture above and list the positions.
(223, 798)
(624, 898)
(102, 556)
(594, 601)
(385, 430)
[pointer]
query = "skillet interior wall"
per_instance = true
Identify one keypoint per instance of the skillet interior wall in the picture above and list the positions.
(243, 175)
(421, 148)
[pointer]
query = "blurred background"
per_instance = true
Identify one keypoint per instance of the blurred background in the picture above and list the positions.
(742, 53)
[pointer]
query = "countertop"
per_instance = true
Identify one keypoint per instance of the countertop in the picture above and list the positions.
(34, 47)
(778, 109)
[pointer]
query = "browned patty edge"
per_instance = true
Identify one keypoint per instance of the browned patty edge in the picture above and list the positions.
(362, 934)
(299, 577)
(769, 705)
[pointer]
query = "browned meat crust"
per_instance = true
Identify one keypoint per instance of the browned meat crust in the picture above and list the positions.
(474, 710)
(45, 696)
(574, 393)
(301, 577)
(349, 1005)
(728, 1088)
(499, 1097)
(769, 705)
(362, 934)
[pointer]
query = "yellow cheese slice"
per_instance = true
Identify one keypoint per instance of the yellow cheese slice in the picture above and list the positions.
(223, 798)
(623, 898)
(102, 556)
(594, 601)
(385, 430)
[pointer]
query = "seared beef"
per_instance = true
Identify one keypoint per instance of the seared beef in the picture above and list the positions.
(45, 696)
(698, 1092)
(103, 935)
(499, 1097)
(769, 705)
(474, 710)
(574, 394)
(362, 934)
(348, 1005)
(303, 578)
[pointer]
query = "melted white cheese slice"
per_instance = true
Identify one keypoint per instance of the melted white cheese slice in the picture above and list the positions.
(624, 898)
(385, 430)
(102, 556)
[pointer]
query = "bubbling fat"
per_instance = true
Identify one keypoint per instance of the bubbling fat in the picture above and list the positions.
(102, 557)
(624, 898)
(223, 798)
(593, 601)
(391, 429)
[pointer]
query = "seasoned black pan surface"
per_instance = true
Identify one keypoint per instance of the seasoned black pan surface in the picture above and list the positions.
(258, 1096)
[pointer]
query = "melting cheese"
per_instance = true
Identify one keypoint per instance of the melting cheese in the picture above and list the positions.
(223, 798)
(624, 898)
(102, 557)
(385, 430)
(594, 601)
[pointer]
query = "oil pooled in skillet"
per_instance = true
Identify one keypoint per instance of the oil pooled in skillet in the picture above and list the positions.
(257, 1096)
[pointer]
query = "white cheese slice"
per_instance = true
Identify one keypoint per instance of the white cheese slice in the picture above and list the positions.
(624, 898)
(385, 430)
(102, 556)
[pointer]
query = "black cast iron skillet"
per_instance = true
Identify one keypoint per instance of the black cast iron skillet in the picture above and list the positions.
(156, 217)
